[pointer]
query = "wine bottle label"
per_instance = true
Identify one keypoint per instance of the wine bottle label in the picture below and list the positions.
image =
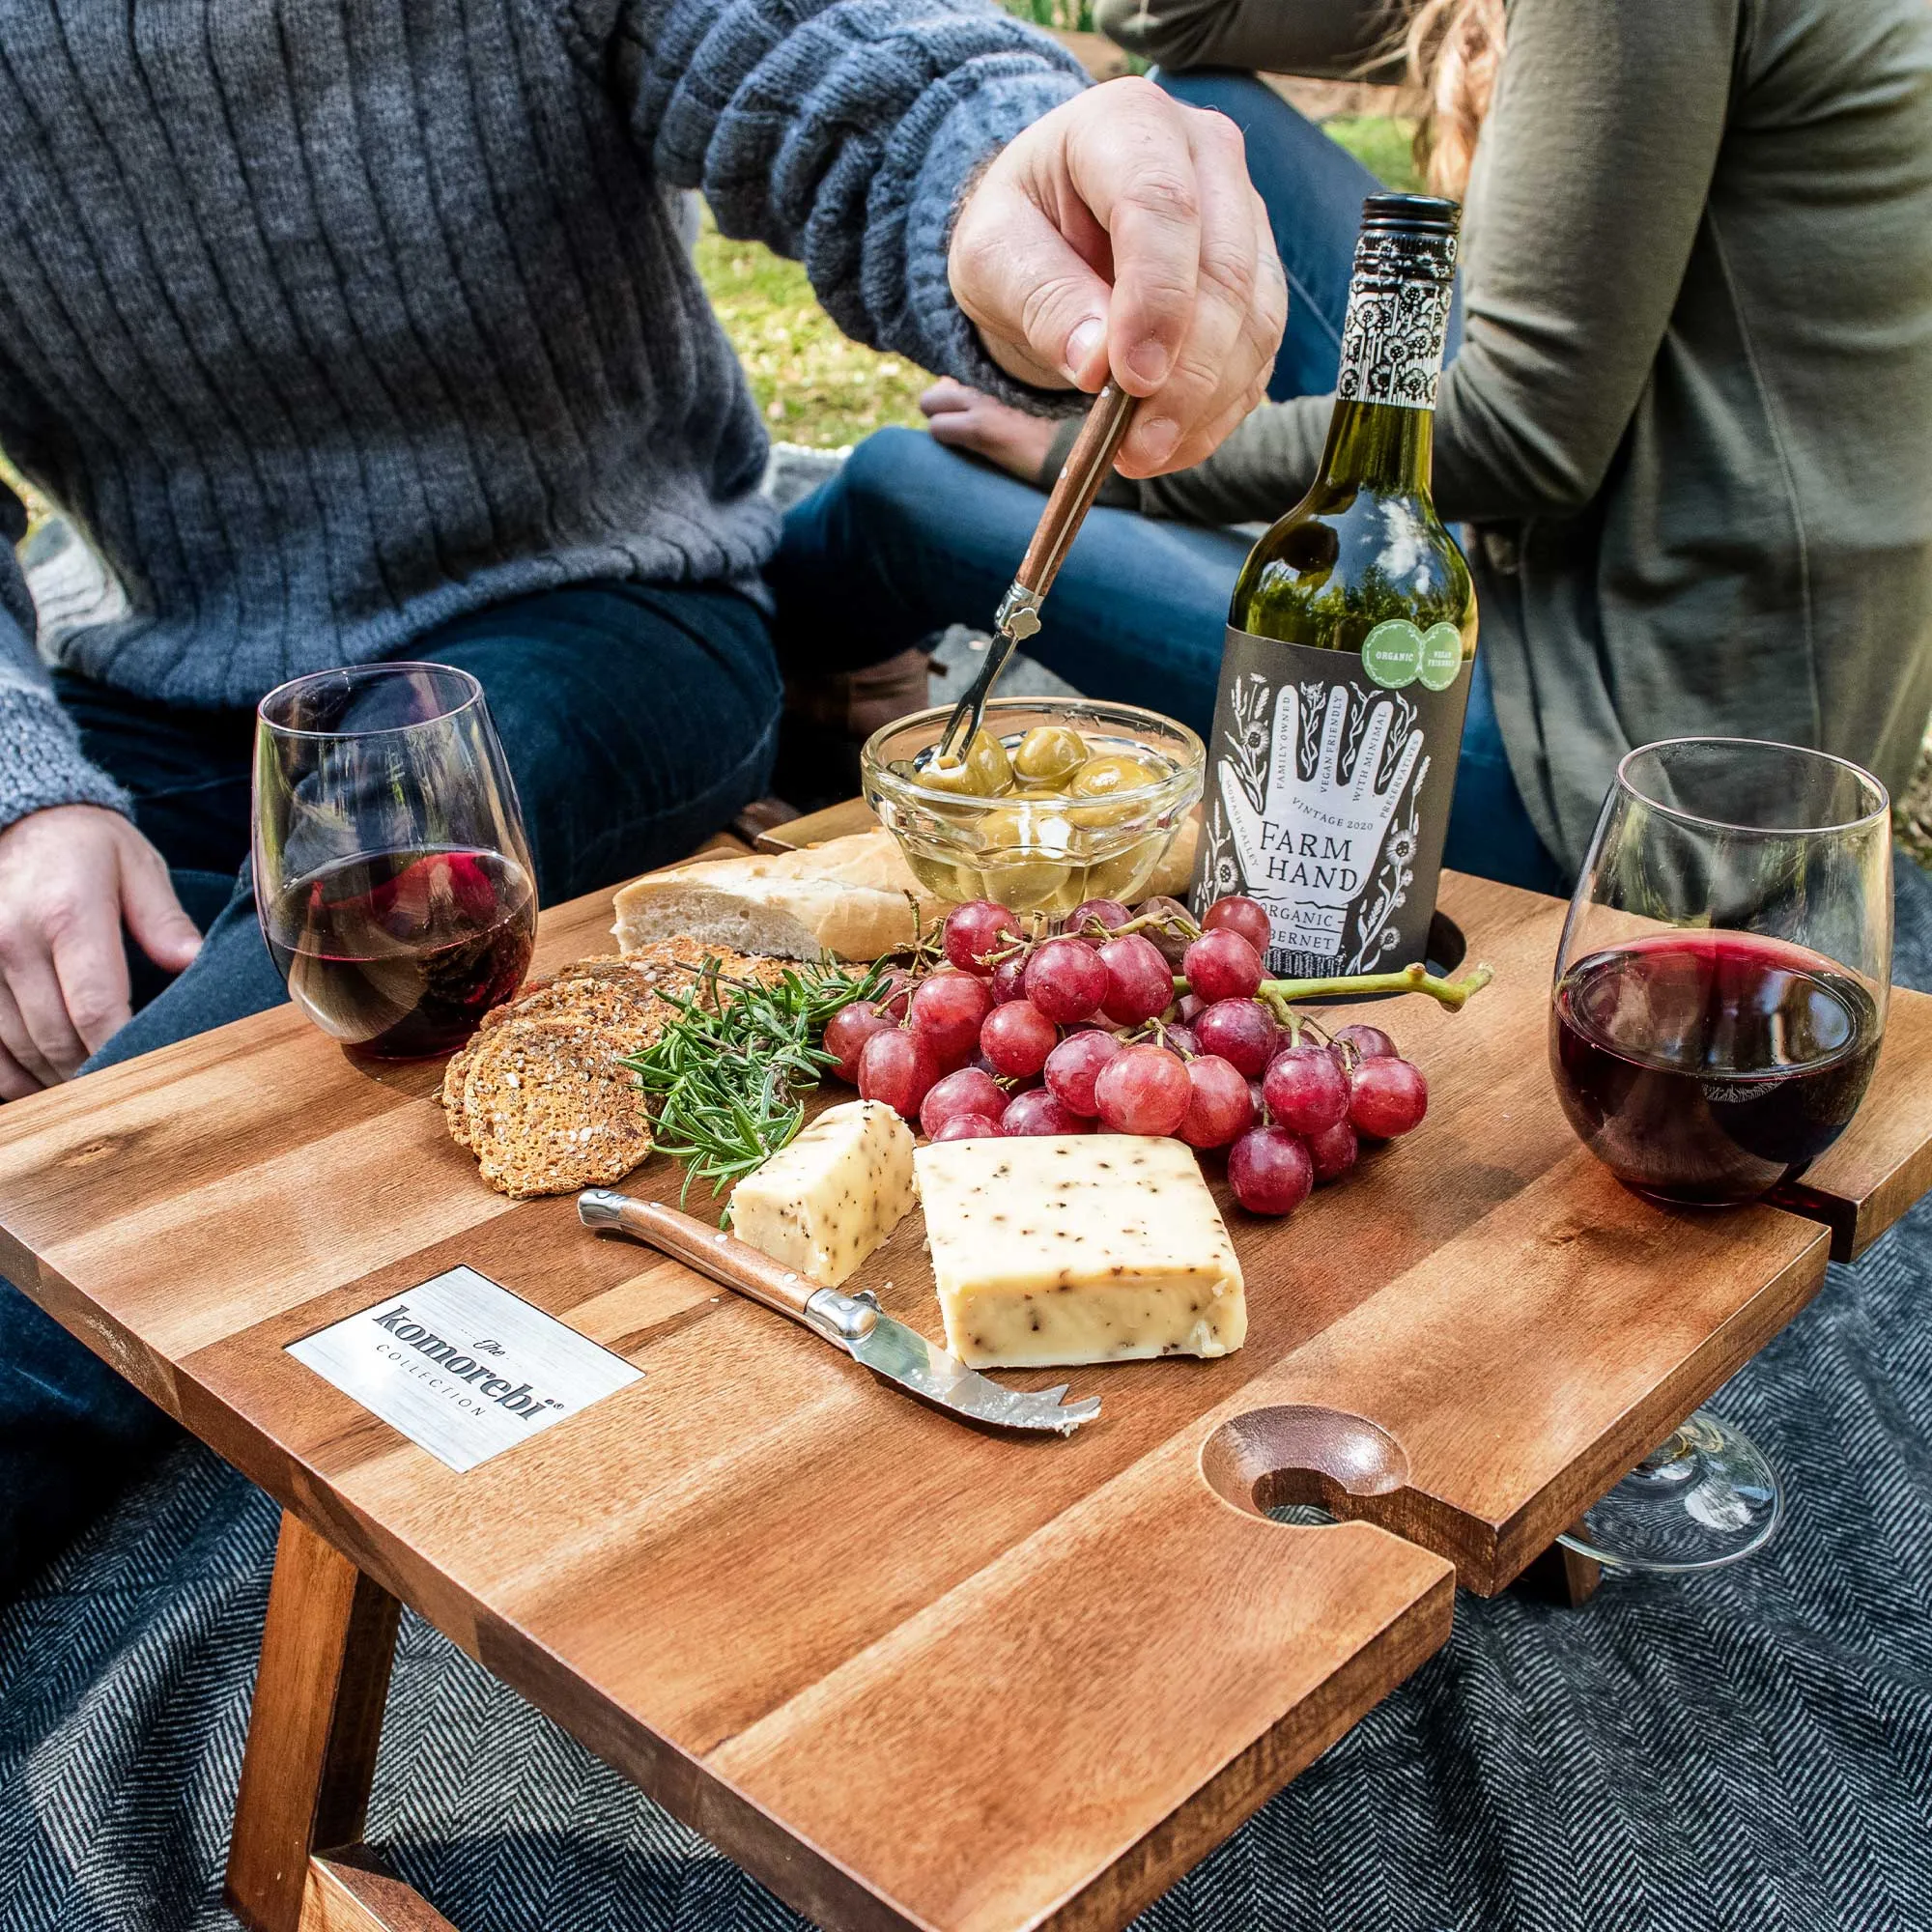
(1397, 320)
(1330, 777)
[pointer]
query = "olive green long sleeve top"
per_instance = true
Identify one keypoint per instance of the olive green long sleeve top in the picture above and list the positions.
(1692, 419)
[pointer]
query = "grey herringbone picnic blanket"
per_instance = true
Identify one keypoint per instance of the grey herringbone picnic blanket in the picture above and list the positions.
(1750, 1750)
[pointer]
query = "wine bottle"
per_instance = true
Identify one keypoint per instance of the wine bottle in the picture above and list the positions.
(1350, 638)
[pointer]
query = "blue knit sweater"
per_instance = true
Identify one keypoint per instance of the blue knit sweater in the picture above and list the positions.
(330, 322)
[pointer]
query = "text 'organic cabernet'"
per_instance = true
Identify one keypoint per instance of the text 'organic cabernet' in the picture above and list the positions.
(1350, 639)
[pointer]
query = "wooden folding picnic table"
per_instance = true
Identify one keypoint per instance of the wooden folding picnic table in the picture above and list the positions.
(907, 1674)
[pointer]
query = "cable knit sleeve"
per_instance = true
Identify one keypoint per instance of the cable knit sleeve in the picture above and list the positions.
(840, 132)
(40, 760)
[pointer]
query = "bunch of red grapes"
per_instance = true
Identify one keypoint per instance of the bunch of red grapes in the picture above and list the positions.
(1087, 1032)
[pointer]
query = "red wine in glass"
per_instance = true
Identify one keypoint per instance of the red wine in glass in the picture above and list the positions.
(400, 954)
(1705, 1067)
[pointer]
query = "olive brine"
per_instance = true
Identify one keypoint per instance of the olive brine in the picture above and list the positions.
(1350, 638)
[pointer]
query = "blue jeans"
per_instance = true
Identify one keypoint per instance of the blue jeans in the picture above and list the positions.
(635, 720)
(910, 537)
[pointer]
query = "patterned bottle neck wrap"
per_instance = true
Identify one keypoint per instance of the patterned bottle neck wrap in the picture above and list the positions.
(1397, 318)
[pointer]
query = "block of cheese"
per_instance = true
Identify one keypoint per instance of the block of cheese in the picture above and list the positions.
(823, 1203)
(1075, 1248)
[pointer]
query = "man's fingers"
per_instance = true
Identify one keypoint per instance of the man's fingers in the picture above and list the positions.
(46, 1045)
(1008, 261)
(1120, 234)
(1135, 168)
(154, 918)
(1211, 354)
(1239, 307)
(16, 1083)
(91, 966)
(17, 1048)
(1206, 440)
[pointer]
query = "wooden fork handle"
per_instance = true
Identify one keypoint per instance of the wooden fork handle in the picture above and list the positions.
(1076, 486)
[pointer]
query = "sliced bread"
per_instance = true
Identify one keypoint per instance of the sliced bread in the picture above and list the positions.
(849, 898)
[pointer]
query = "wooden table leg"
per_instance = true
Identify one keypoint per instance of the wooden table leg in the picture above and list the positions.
(326, 1648)
(1562, 1577)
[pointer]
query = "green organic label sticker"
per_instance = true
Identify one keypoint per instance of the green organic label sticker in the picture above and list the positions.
(1441, 656)
(1394, 653)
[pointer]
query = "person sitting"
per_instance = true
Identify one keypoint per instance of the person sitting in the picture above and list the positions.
(1688, 424)
(344, 345)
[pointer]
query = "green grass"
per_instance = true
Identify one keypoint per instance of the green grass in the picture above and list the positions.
(1381, 143)
(21, 488)
(813, 386)
(1073, 17)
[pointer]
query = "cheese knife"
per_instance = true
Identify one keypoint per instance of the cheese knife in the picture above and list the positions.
(854, 1322)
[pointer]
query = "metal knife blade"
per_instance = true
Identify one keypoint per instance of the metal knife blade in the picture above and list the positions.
(904, 1355)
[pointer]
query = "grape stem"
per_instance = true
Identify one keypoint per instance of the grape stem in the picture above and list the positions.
(1453, 994)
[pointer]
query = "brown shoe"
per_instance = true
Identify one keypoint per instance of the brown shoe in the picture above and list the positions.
(855, 703)
(828, 719)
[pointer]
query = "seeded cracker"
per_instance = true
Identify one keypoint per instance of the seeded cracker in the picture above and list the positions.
(550, 1107)
(611, 1005)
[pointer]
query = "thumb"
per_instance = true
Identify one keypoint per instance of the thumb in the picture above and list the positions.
(152, 913)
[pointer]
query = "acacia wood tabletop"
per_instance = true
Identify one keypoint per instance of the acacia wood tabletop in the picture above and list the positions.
(907, 1673)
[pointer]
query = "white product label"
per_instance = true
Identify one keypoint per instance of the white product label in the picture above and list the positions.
(1329, 797)
(462, 1366)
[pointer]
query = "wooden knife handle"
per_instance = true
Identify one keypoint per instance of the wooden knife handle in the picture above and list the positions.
(717, 1255)
(1076, 486)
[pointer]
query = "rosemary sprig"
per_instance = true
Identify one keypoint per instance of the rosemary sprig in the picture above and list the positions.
(726, 1078)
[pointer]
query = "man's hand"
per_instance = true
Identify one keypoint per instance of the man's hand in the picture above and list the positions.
(1121, 233)
(69, 876)
(962, 418)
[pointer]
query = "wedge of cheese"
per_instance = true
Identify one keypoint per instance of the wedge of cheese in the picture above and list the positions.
(1077, 1248)
(825, 1201)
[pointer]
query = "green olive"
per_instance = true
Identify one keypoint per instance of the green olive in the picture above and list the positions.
(1105, 777)
(1024, 855)
(1049, 755)
(954, 884)
(1026, 826)
(1110, 773)
(1125, 875)
(985, 772)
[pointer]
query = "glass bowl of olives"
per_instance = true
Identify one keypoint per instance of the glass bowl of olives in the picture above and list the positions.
(1057, 800)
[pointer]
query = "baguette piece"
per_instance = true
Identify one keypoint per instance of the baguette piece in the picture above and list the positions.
(848, 898)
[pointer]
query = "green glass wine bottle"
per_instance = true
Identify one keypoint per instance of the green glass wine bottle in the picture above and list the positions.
(1350, 639)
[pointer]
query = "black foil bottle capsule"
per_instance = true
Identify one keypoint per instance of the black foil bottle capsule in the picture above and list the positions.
(1351, 640)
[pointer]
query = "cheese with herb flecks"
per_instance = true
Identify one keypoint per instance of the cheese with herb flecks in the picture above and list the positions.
(1064, 1249)
(823, 1203)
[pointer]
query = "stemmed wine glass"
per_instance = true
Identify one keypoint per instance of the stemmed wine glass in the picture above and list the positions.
(1719, 999)
(393, 875)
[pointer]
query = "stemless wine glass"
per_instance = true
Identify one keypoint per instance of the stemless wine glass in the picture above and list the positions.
(393, 875)
(1720, 999)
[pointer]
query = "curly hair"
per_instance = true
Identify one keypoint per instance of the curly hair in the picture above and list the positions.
(1453, 49)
